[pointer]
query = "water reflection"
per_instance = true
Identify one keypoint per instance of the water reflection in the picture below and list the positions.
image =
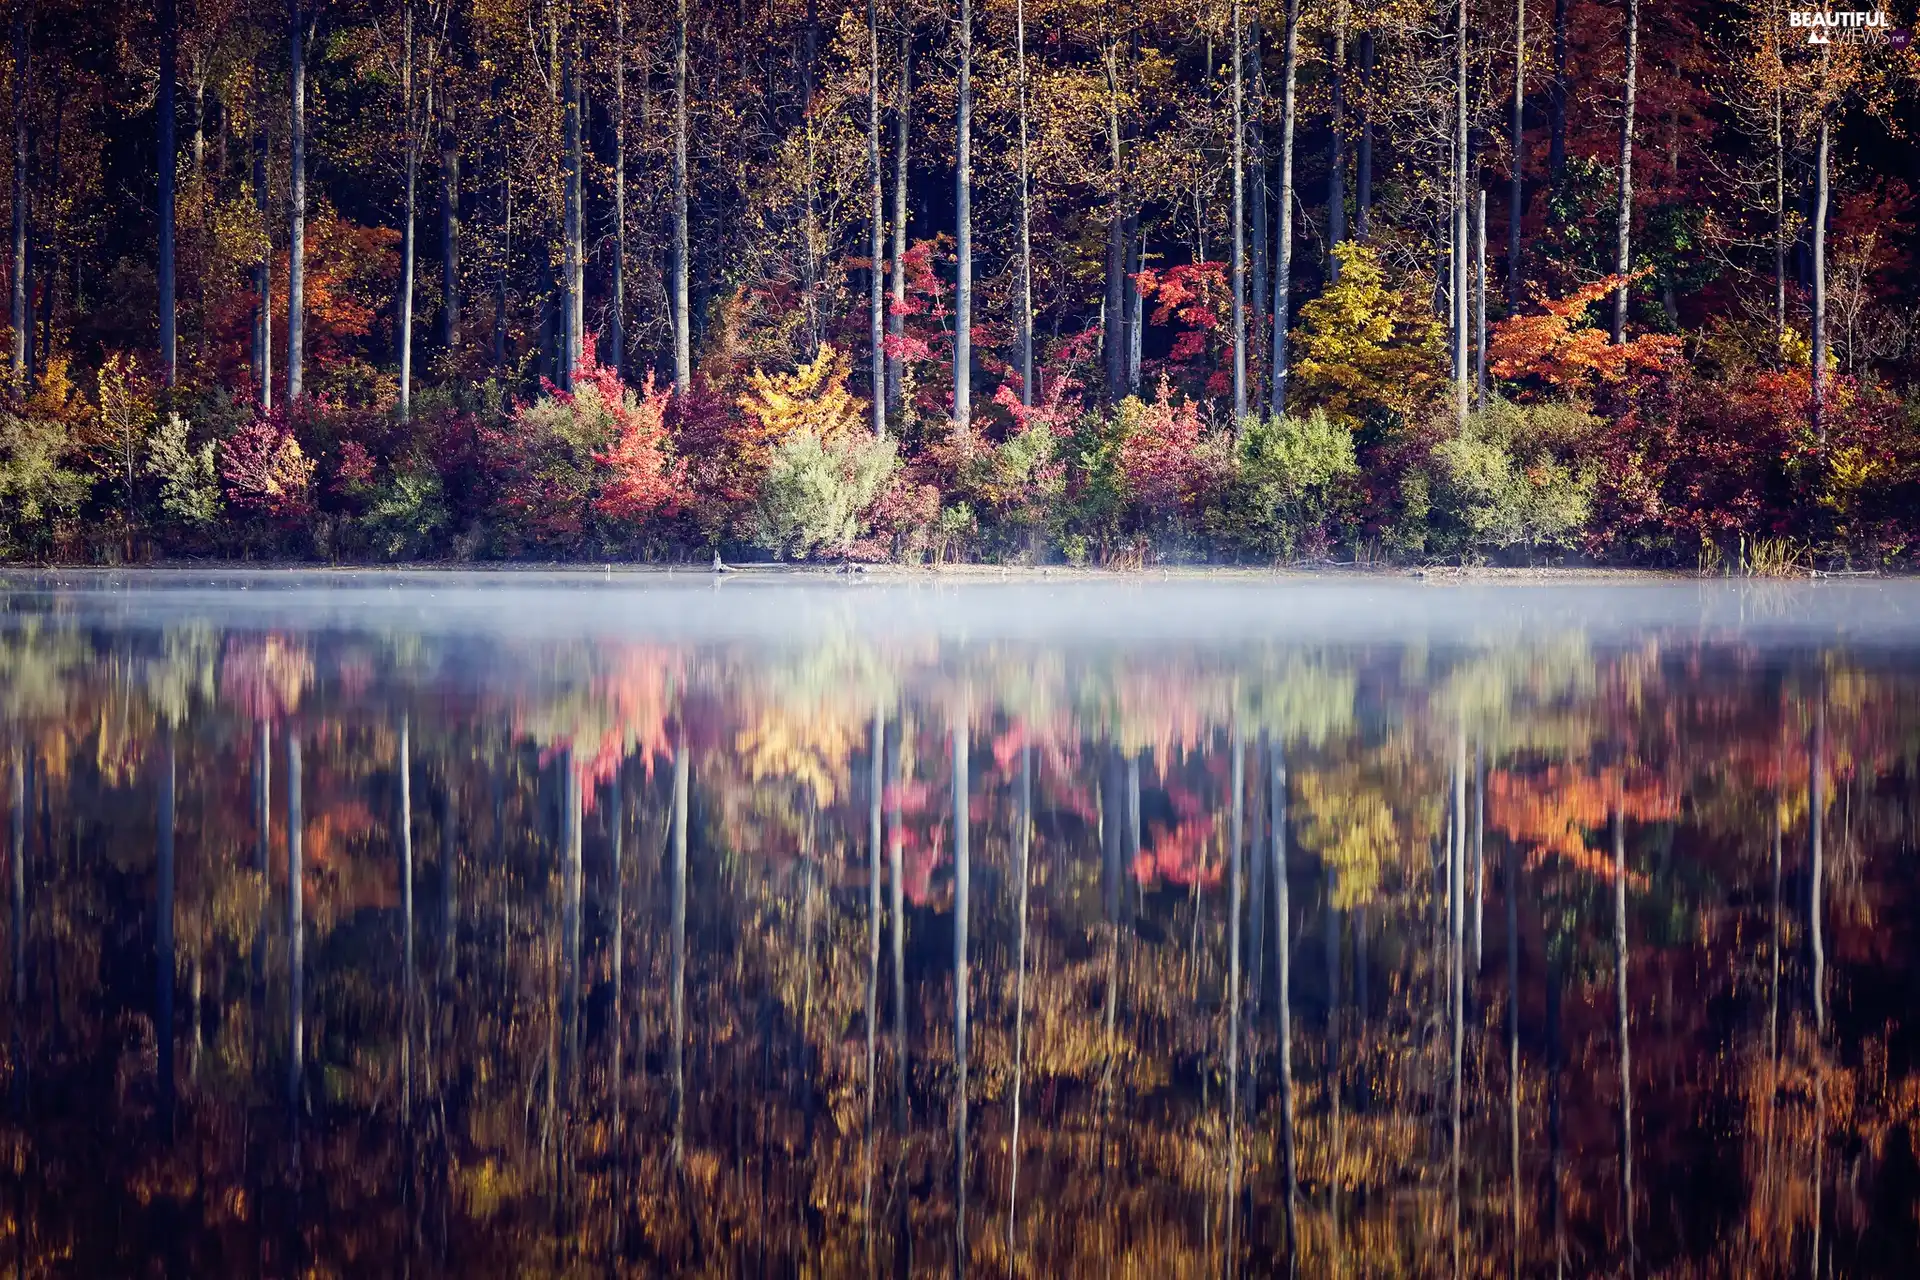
(369, 950)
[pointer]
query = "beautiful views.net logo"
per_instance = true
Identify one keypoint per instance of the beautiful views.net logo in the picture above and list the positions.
(1847, 27)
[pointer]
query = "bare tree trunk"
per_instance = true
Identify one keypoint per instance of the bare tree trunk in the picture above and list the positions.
(573, 286)
(682, 319)
(876, 792)
(876, 301)
(412, 144)
(450, 233)
(403, 765)
(1237, 838)
(1626, 1060)
(262, 273)
(1337, 142)
(22, 82)
(617, 329)
(163, 957)
(1779, 223)
(677, 1053)
(1512, 888)
(963, 236)
(1623, 254)
(1363, 159)
(962, 875)
(1283, 243)
(1462, 143)
(1255, 164)
(1114, 322)
(500, 295)
(897, 279)
(1820, 201)
(1557, 99)
(1283, 943)
(1239, 251)
(296, 927)
(1022, 851)
(1024, 356)
(297, 207)
(1479, 403)
(164, 163)
(1516, 186)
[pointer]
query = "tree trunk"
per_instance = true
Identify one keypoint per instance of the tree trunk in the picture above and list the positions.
(1780, 238)
(1516, 187)
(297, 205)
(1816, 861)
(1239, 250)
(1623, 253)
(1283, 252)
(403, 766)
(877, 218)
(450, 233)
(1620, 1031)
(1462, 143)
(262, 274)
(1022, 852)
(876, 792)
(962, 874)
(617, 329)
(1114, 322)
(22, 72)
(296, 927)
(164, 164)
(1363, 160)
(1237, 843)
(163, 957)
(677, 1053)
(1337, 142)
(1557, 99)
(1455, 950)
(573, 267)
(903, 124)
(411, 143)
(1480, 404)
(1282, 933)
(682, 319)
(1820, 201)
(963, 242)
(897, 915)
(1023, 358)
(500, 295)
(1255, 163)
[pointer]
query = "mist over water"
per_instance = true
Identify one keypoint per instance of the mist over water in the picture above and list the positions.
(506, 924)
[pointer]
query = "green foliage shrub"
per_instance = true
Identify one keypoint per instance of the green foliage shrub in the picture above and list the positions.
(1515, 477)
(814, 492)
(1278, 489)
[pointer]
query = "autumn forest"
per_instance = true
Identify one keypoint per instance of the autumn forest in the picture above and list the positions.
(1016, 281)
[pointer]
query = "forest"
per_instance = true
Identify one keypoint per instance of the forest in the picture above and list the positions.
(349, 954)
(1009, 281)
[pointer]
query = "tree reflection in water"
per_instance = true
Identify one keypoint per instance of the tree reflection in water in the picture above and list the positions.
(1040, 959)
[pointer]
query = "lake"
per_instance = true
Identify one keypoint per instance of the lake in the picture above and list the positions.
(496, 924)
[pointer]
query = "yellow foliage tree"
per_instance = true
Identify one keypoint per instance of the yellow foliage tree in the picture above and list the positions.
(814, 396)
(1364, 347)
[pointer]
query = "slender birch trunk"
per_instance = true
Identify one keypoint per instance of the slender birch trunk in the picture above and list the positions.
(897, 276)
(1820, 350)
(1479, 404)
(1363, 157)
(297, 207)
(1516, 185)
(1283, 244)
(1462, 143)
(22, 83)
(1024, 338)
(1239, 251)
(412, 145)
(573, 251)
(1337, 141)
(262, 274)
(164, 164)
(963, 236)
(1623, 251)
(450, 233)
(876, 271)
(682, 319)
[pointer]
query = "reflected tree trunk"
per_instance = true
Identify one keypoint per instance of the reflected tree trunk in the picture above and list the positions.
(962, 876)
(1283, 943)
(677, 1054)
(17, 874)
(573, 876)
(1456, 921)
(1620, 1031)
(1236, 837)
(262, 835)
(896, 880)
(876, 785)
(296, 929)
(1022, 851)
(1512, 886)
(163, 957)
(404, 767)
(1480, 790)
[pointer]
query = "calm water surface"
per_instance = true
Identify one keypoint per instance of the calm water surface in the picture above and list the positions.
(488, 925)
